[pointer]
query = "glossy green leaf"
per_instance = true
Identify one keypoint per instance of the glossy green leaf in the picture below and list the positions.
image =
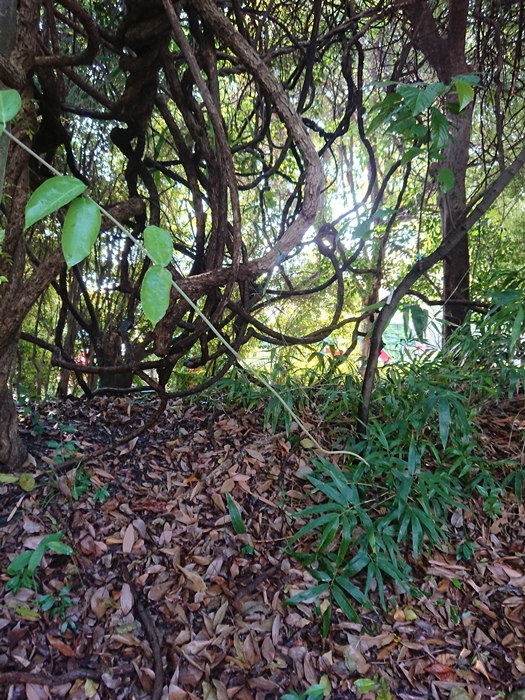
(155, 293)
(446, 179)
(235, 515)
(159, 245)
(80, 231)
(10, 103)
(465, 91)
(50, 196)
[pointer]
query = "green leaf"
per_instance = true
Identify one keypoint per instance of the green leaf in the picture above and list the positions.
(444, 419)
(155, 293)
(342, 601)
(27, 482)
(329, 532)
(237, 521)
(10, 103)
(446, 178)
(417, 535)
(81, 228)
(346, 536)
(516, 331)
(159, 245)
(19, 563)
(36, 558)
(365, 685)
(8, 479)
(60, 548)
(412, 153)
(465, 91)
(354, 591)
(439, 128)
(362, 230)
(50, 196)
(384, 110)
(419, 320)
(308, 594)
(332, 493)
(420, 99)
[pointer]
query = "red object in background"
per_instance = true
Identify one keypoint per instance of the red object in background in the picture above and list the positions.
(383, 355)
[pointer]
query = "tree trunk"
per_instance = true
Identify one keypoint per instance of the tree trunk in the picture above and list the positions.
(456, 279)
(444, 48)
(12, 451)
(21, 291)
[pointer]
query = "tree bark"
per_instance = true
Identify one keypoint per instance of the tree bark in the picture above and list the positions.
(12, 451)
(20, 292)
(444, 48)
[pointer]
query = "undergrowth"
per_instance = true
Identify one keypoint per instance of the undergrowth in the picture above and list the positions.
(422, 458)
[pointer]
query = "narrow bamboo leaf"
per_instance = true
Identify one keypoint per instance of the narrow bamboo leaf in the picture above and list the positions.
(465, 91)
(342, 600)
(80, 231)
(417, 536)
(159, 245)
(413, 458)
(50, 196)
(346, 536)
(155, 293)
(357, 564)
(354, 591)
(444, 419)
(446, 179)
(308, 594)
(312, 525)
(332, 493)
(237, 521)
(10, 103)
(516, 331)
(419, 320)
(329, 532)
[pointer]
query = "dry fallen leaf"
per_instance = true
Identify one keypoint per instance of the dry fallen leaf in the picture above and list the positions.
(129, 539)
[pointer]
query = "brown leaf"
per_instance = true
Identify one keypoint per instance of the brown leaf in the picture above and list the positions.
(126, 599)
(196, 581)
(60, 646)
(129, 539)
(100, 601)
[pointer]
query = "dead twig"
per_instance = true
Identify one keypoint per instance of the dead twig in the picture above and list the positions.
(22, 677)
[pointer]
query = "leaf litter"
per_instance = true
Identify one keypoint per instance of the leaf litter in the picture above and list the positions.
(168, 598)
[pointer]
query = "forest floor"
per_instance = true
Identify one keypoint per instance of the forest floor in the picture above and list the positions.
(164, 599)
